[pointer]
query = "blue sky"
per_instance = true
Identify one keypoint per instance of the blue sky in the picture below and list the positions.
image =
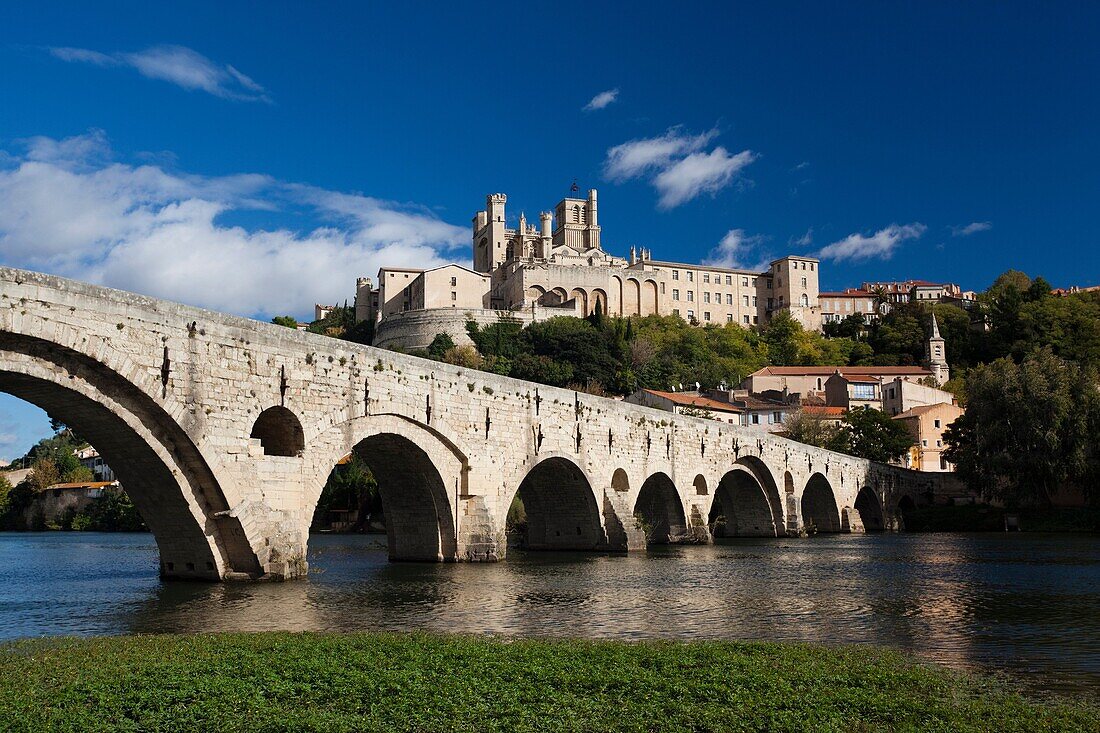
(257, 158)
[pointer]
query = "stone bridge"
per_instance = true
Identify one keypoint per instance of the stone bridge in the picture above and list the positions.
(223, 431)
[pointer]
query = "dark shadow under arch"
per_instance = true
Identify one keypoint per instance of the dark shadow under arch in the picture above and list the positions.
(819, 510)
(660, 511)
(870, 510)
(279, 432)
(420, 525)
(156, 488)
(560, 507)
(763, 476)
(741, 507)
(906, 506)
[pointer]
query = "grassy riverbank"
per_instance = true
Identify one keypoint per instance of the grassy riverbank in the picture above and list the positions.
(306, 682)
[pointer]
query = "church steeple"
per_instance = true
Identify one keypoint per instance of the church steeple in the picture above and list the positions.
(935, 354)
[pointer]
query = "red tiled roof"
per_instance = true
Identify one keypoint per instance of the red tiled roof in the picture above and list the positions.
(694, 400)
(824, 411)
(80, 485)
(860, 379)
(825, 371)
(921, 409)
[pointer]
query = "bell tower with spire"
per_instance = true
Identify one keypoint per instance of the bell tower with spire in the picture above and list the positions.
(935, 354)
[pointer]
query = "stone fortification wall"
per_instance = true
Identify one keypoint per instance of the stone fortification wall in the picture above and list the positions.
(415, 329)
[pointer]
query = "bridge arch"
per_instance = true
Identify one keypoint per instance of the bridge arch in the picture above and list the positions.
(561, 507)
(620, 481)
(700, 484)
(163, 472)
(819, 508)
(870, 511)
(764, 477)
(660, 510)
(419, 476)
(741, 507)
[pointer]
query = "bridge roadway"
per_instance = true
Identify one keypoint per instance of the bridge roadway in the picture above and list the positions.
(224, 430)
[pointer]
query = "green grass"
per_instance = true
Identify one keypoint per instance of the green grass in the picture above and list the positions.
(386, 682)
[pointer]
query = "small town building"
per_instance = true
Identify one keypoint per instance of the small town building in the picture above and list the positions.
(733, 406)
(927, 424)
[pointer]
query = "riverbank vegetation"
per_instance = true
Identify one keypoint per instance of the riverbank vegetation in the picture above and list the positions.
(386, 682)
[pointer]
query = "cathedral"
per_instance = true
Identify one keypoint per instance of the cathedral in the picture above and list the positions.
(559, 267)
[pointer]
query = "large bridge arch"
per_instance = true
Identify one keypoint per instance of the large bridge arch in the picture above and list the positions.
(420, 475)
(163, 472)
(819, 508)
(741, 507)
(661, 510)
(561, 507)
(763, 475)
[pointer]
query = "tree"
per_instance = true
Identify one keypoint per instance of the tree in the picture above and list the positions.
(1029, 429)
(44, 474)
(288, 321)
(440, 345)
(809, 428)
(880, 298)
(80, 474)
(872, 434)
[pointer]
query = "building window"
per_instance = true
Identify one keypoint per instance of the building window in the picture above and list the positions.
(811, 267)
(691, 276)
(745, 319)
(937, 421)
(863, 391)
(756, 319)
(729, 280)
(691, 314)
(924, 443)
(706, 277)
(729, 318)
(691, 296)
(755, 419)
(706, 297)
(729, 298)
(675, 311)
(454, 295)
(754, 300)
(770, 282)
(805, 300)
(706, 315)
(939, 443)
(744, 300)
(803, 282)
(675, 294)
(675, 274)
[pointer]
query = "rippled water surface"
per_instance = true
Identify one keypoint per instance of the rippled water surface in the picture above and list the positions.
(1028, 605)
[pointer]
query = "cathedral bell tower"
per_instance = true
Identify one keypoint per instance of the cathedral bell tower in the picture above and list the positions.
(935, 354)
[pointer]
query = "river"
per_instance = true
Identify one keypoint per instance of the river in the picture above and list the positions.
(1025, 605)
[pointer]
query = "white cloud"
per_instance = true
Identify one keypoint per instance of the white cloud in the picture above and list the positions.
(68, 207)
(699, 173)
(880, 245)
(178, 65)
(734, 249)
(972, 228)
(601, 100)
(805, 240)
(678, 165)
